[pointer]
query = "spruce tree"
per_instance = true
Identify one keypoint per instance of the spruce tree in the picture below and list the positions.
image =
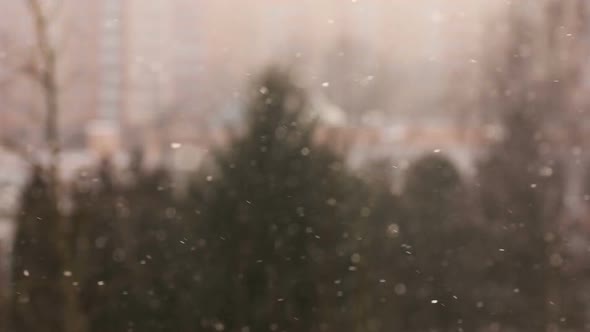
(520, 177)
(130, 252)
(37, 270)
(522, 189)
(101, 253)
(272, 220)
(378, 249)
(162, 255)
(435, 233)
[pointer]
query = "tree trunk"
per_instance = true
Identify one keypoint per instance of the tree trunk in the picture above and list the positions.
(48, 77)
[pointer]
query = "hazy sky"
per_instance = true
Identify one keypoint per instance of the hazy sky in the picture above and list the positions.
(224, 42)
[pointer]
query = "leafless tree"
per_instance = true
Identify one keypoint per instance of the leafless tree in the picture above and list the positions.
(46, 72)
(43, 68)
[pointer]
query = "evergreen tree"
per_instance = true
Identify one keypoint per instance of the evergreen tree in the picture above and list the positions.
(37, 270)
(129, 251)
(162, 251)
(272, 221)
(379, 248)
(520, 178)
(436, 232)
(101, 253)
(522, 191)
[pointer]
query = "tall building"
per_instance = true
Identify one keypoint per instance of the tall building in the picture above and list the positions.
(110, 56)
(148, 55)
(104, 130)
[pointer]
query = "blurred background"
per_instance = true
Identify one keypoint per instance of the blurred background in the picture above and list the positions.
(458, 130)
(148, 73)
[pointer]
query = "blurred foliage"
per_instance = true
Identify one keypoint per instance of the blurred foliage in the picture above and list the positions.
(276, 233)
(37, 300)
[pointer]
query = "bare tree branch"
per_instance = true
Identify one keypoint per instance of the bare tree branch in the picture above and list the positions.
(48, 79)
